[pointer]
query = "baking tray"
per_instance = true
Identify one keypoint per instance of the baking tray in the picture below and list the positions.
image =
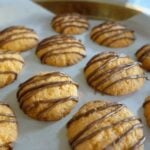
(36, 135)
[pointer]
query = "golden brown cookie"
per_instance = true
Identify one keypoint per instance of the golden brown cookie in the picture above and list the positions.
(72, 23)
(48, 96)
(101, 125)
(18, 39)
(11, 65)
(114, 74)
(112, 34)
(60, 51)
(146, 107)
(143, 55)
(8, 127)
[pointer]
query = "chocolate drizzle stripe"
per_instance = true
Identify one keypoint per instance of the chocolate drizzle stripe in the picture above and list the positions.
(95, 60)
(8, 145)
(100, 30)
(139, 143)
(98, 56)
(62, 19)
(51, 106)
(117, 140)
(141, 49)
(15, 28)
(44, 57)
(89, 126)
(146, 102)
(8, 121)
(125, 78)
(36, 103)
(7, 52)
(57, 38)
(43, 86)
(40, 77)
(103, 65)
(111, 72)
(105, 25)
(69, 17)
(117, 35)
(98, 131)
(52, 44)
(77, 26)
(1, 103)
(9, 72)
(103, 32)
(64, 48)
(7, 115)
(145, 54)
(71, 22)
(101, 108)
(11, 59)
(17, 36)
(121, 38)
(107, 58)
(27, 38)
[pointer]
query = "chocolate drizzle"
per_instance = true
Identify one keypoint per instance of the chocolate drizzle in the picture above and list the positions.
(7, 145)
(109, 33)
(100, 77)
(16, 33)
(43, 86)
(11, 73)
(7, 118)
(147, 101)
(60, 45)
(84, 135)
(69, 20)
(10, 59)
(118, 140)
(145, 51)
(26, 91)
(99, 120)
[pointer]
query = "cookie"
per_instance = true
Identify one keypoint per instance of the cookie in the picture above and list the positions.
(101, 125)
(60, 51)
(146, 107)
(8, 127)
(114, 74)
(143, 56)
(48, 96)
(72, 23)
(11, 65)
(113, 35)
(18, 39)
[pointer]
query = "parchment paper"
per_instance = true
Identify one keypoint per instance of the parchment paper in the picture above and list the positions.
(36, 135)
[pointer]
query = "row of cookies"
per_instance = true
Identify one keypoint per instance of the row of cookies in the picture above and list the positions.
(97, 125)
(107, 72)
(67, 48)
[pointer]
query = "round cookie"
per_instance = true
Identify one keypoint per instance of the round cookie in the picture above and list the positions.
(48, 96)
(112, 34)
(146, 107)
(114, 74)
(143, 56)
(72, 23)
(60, 51)
(101, 125)
(8, 127)
(18, 39)
(11, 65)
